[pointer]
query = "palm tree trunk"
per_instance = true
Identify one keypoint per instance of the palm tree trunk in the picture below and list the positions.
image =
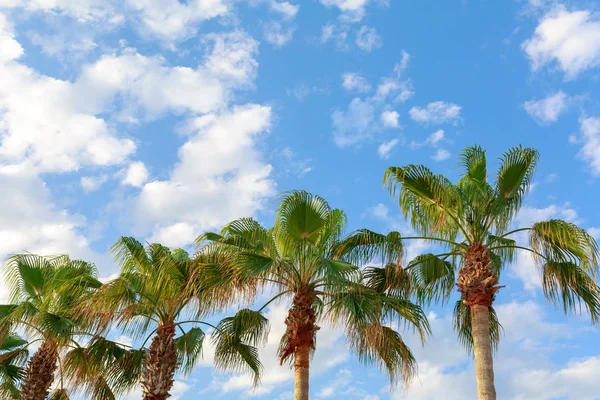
(40, 372)
(300, 339)
(478, 285)
(482, 348)
(301, 372)
(161, 362)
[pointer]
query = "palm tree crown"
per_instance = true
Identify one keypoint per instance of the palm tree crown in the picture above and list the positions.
(160, 293)
(471, 219)
(302, 257)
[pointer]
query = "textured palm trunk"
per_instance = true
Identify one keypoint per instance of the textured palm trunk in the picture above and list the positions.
(478, 285)
(40, 372)
(301, 372)
(161, 362)
(300, 340)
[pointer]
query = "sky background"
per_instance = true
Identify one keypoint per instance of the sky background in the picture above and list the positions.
(163, 119)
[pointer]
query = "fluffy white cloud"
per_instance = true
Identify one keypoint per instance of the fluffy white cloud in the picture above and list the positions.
(434, 140)
(355, 82)
(590, 141)
(136, 174)
(571, 39)
(386, 148)
(437, 112)
(55, 132)
(152, 88)
(390, 119)
(220, 176)
(287, 9)
(547, 110)
(367, 39)
(172, 20)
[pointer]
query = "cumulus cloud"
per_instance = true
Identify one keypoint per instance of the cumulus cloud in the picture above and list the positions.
(367, 39)
(136, 174)
(231, 181)
(172, 20)
(352, 10)
(355, 82)
(437, 112)
(390, 119)
(547, 110)
(568, 39)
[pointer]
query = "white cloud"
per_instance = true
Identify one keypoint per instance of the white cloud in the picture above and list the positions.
(352, 10)
(285, 8)
(136, 174)
(547, 110)
(231, 181)
(367, 39)
(386, 148)
(571, 39)
(152, 88)
(172, 20)
(31, 222)
(176, 235)
(355, 82)
(353, 126)
(437, 112)
(441, 155)
(590, 140)
(390, 119)
(54, 133)
(276, 34)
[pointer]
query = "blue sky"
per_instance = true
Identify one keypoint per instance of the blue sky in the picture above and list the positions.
(163, 119)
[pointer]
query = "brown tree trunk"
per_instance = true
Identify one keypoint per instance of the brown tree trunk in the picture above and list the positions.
(478, 285)
(300, 340)
(301, 372)
(482, 348)
(161, 362)
(40, 372)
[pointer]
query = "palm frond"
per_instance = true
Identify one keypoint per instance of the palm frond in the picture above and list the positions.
(431, 202)
(561, 241)
(189, 348)
(433, 278)
(569, 284)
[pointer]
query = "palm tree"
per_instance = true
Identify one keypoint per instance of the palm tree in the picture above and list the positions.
(472, 219)
(13, 355)
(159, 293)
(300, 257)
(44, 294)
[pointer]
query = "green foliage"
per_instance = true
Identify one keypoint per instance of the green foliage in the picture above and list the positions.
(306, 252)
(478, 211)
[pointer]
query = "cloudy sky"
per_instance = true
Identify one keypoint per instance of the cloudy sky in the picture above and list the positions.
(166, 118)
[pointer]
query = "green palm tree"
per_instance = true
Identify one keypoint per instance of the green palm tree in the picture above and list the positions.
(44, 294)
(300, 257)
(13, 355)
(472, 219)
(159, 294)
